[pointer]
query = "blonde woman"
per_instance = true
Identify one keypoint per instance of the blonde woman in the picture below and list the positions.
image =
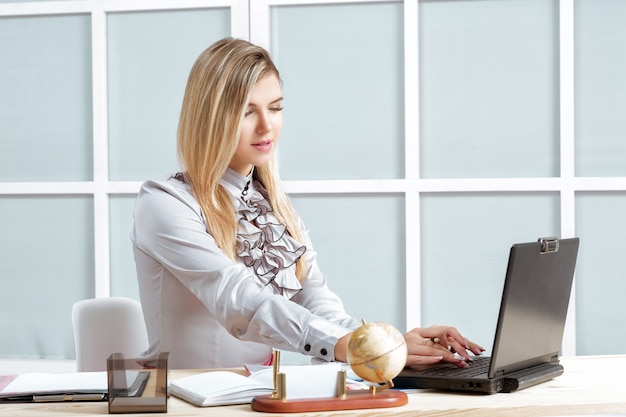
(225, 266)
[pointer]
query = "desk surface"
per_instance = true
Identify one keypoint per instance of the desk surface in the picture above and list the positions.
(590, 385)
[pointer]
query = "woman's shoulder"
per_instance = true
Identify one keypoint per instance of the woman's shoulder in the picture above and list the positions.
(169, 185)
(164, 208)
(168, 192)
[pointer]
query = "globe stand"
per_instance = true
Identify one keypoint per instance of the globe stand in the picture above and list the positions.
(345, 399)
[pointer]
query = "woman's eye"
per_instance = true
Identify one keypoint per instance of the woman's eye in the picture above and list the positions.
(273, 109)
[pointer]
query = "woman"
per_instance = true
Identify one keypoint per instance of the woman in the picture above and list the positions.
(225, 266)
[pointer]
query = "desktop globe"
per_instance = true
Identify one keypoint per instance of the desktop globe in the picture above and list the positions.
(377, 352)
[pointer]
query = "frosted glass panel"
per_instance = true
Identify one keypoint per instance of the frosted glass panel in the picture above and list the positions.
(123, 273)
(600, 272)
(360, 246)
(600, 65)
(466, 241)
(489, 88)
(46, 264)
(150, 56)
(342, 67)
(45, 99)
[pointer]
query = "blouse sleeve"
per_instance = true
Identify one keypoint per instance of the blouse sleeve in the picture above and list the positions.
(169, 228)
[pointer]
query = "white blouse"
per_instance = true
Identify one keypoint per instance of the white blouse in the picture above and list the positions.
(209, 311)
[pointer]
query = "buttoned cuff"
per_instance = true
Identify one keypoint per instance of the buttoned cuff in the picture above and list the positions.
(320, 339)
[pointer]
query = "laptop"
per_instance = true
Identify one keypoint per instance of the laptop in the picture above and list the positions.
(530, 326)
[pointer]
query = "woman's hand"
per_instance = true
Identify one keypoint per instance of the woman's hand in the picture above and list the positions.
(426, 346)
(439, 343)
(341, 348)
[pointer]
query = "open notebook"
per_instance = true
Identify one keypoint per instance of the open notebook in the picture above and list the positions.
(530, 325)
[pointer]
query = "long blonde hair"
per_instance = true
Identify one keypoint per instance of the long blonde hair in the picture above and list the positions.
(217, 94)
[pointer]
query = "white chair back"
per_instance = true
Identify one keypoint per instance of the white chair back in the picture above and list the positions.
(106, 325)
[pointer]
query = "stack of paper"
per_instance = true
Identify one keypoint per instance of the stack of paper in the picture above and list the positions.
(82, 386)
(74, 386)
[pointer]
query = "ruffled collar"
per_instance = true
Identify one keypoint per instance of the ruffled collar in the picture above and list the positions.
(263, 243)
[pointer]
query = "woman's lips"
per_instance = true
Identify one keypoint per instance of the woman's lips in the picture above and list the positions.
(264, 146)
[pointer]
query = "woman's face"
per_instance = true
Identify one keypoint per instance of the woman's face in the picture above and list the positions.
(261, 127)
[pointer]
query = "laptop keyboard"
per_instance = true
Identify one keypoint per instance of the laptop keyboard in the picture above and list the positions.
(480, 365)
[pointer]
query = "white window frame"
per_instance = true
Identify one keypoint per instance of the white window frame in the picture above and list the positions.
(250, 20)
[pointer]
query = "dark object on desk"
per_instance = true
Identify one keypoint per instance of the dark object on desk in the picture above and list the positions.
(530, 325)
(49, 398)
(148, 393)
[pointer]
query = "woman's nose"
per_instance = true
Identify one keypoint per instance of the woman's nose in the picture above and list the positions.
(264, 124)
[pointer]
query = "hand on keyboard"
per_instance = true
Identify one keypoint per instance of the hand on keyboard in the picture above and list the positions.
(439, 344)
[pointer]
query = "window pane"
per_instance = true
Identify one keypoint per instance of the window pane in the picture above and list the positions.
(342, 67)
(123, 273)
(600, 271)
(45, 99)
(600, 65)
(489, 88)
(46, 264)
(361, 251)
(466, 241)
(150, 56)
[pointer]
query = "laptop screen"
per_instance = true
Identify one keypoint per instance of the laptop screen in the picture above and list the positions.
(534, 304)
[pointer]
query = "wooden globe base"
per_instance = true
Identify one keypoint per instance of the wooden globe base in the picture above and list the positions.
(358, 399)
(374, 397)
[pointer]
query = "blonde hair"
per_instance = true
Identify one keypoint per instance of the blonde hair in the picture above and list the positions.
(217, 94)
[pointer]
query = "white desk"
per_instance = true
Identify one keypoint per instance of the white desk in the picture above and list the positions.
(590, 385)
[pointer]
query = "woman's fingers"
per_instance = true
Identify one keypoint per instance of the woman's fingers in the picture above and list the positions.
(422, 360)
(427, 351)
(439, 343)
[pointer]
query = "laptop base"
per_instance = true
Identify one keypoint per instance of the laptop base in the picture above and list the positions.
(407, 380)
(524, 379)
(516, 381)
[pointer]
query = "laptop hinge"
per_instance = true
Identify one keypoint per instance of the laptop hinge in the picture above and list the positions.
(549, 244)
